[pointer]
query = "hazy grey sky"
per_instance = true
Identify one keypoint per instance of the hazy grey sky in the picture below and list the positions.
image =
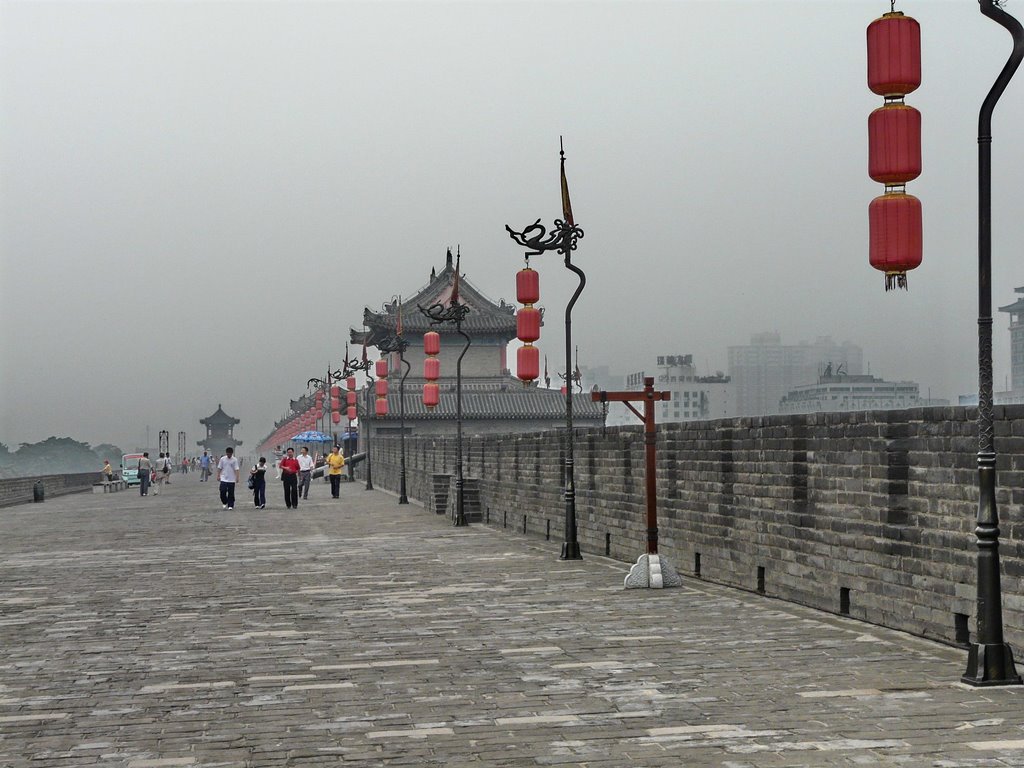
(197, 199)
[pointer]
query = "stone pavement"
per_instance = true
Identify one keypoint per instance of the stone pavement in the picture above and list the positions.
(162, 631)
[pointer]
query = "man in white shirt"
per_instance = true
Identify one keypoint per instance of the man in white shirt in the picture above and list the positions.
(227, 475)
(305, 472)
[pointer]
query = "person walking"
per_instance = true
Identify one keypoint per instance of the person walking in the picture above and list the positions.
(144, 468)
(160, 473)
(204, 466)
(184, 466)
(258, 474)
(335, 461)
(227, 475)
(305, 472)
(290, 479)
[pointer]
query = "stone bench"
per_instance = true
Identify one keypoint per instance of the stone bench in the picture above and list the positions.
(109, 487)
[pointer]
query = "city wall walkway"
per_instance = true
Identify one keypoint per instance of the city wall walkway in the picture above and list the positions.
(162, 631)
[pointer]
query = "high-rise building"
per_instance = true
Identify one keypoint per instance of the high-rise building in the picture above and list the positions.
(693, 396)
(764, 371)
(1016, 312)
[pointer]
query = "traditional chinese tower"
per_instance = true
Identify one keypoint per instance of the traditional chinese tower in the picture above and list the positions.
(219, 431)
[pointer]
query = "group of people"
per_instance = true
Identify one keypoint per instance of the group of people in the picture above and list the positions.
(151, 474)
(295, 473)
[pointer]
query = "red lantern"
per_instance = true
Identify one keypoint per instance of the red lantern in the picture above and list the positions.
(336, 417)
(350, 398)
(431, 369)
(335, 403)
(432, 343)
(335, 391)
(896, 236)
(381, 407)
(527, 286)
(350, 383)
(381, 388)
(894, 144)
(894, 55)
(319, 397)
(528, 324)
(528, 363)
(382, 369)
(350, 412)
(431, 395)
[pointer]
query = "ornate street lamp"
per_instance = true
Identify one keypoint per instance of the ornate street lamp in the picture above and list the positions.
(454, 314)
(349, 370)
(990, 660)
(393, 343)
(562, 239)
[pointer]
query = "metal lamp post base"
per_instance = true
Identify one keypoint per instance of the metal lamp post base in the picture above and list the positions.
(652, 572)
(570, 551)
(989, 665)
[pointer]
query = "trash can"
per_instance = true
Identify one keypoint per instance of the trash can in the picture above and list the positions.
(37, 492)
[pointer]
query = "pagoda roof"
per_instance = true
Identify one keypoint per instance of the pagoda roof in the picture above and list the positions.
(1017, 306)
(219, 417)
(484, 316)
(518, 403)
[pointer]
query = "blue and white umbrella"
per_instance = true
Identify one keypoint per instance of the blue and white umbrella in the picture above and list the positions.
(312, 436)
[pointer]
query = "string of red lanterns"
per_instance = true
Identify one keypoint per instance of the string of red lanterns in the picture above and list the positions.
(894, 147)
(431, 369)
(381, 387)
(528, 320)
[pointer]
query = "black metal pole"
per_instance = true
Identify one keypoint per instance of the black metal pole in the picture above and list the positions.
(990, 659)
(460, 507)
(369, 401)
(571, 545)
(403, 498)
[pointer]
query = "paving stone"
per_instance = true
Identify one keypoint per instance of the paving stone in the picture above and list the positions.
(162, 631)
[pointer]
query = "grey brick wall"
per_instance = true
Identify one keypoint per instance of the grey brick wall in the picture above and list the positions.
(878, 503)
(18, 490)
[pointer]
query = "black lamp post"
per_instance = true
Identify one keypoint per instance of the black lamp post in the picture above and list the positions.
(349, 369)
(990, 660)
(325, 384)
(563, 239)
(454, 314)
(391, 344)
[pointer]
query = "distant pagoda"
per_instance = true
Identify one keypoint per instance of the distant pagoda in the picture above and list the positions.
(219, 431)
(493, 400)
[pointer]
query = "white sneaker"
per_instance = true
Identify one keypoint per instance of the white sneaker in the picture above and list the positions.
(225, 506)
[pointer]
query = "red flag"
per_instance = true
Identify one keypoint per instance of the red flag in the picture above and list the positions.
(566, 204)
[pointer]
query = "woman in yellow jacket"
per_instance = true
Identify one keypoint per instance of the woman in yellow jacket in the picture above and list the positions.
(335, 461)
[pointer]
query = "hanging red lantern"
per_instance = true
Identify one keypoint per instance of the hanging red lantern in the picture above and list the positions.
(335, 403)
(431, 395)
(432, 343)
(350, 412)
(382, 369)
(894, 55)
(381, 388)
(527, 363)
(350, 383)
(894, 144)
(431, 369)
(527, 286)
(381, 407)
(319, 398)
(896, 237)
(350, 398)
(894, 147)
(528, 324)
(335, 391)
(336, 417)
